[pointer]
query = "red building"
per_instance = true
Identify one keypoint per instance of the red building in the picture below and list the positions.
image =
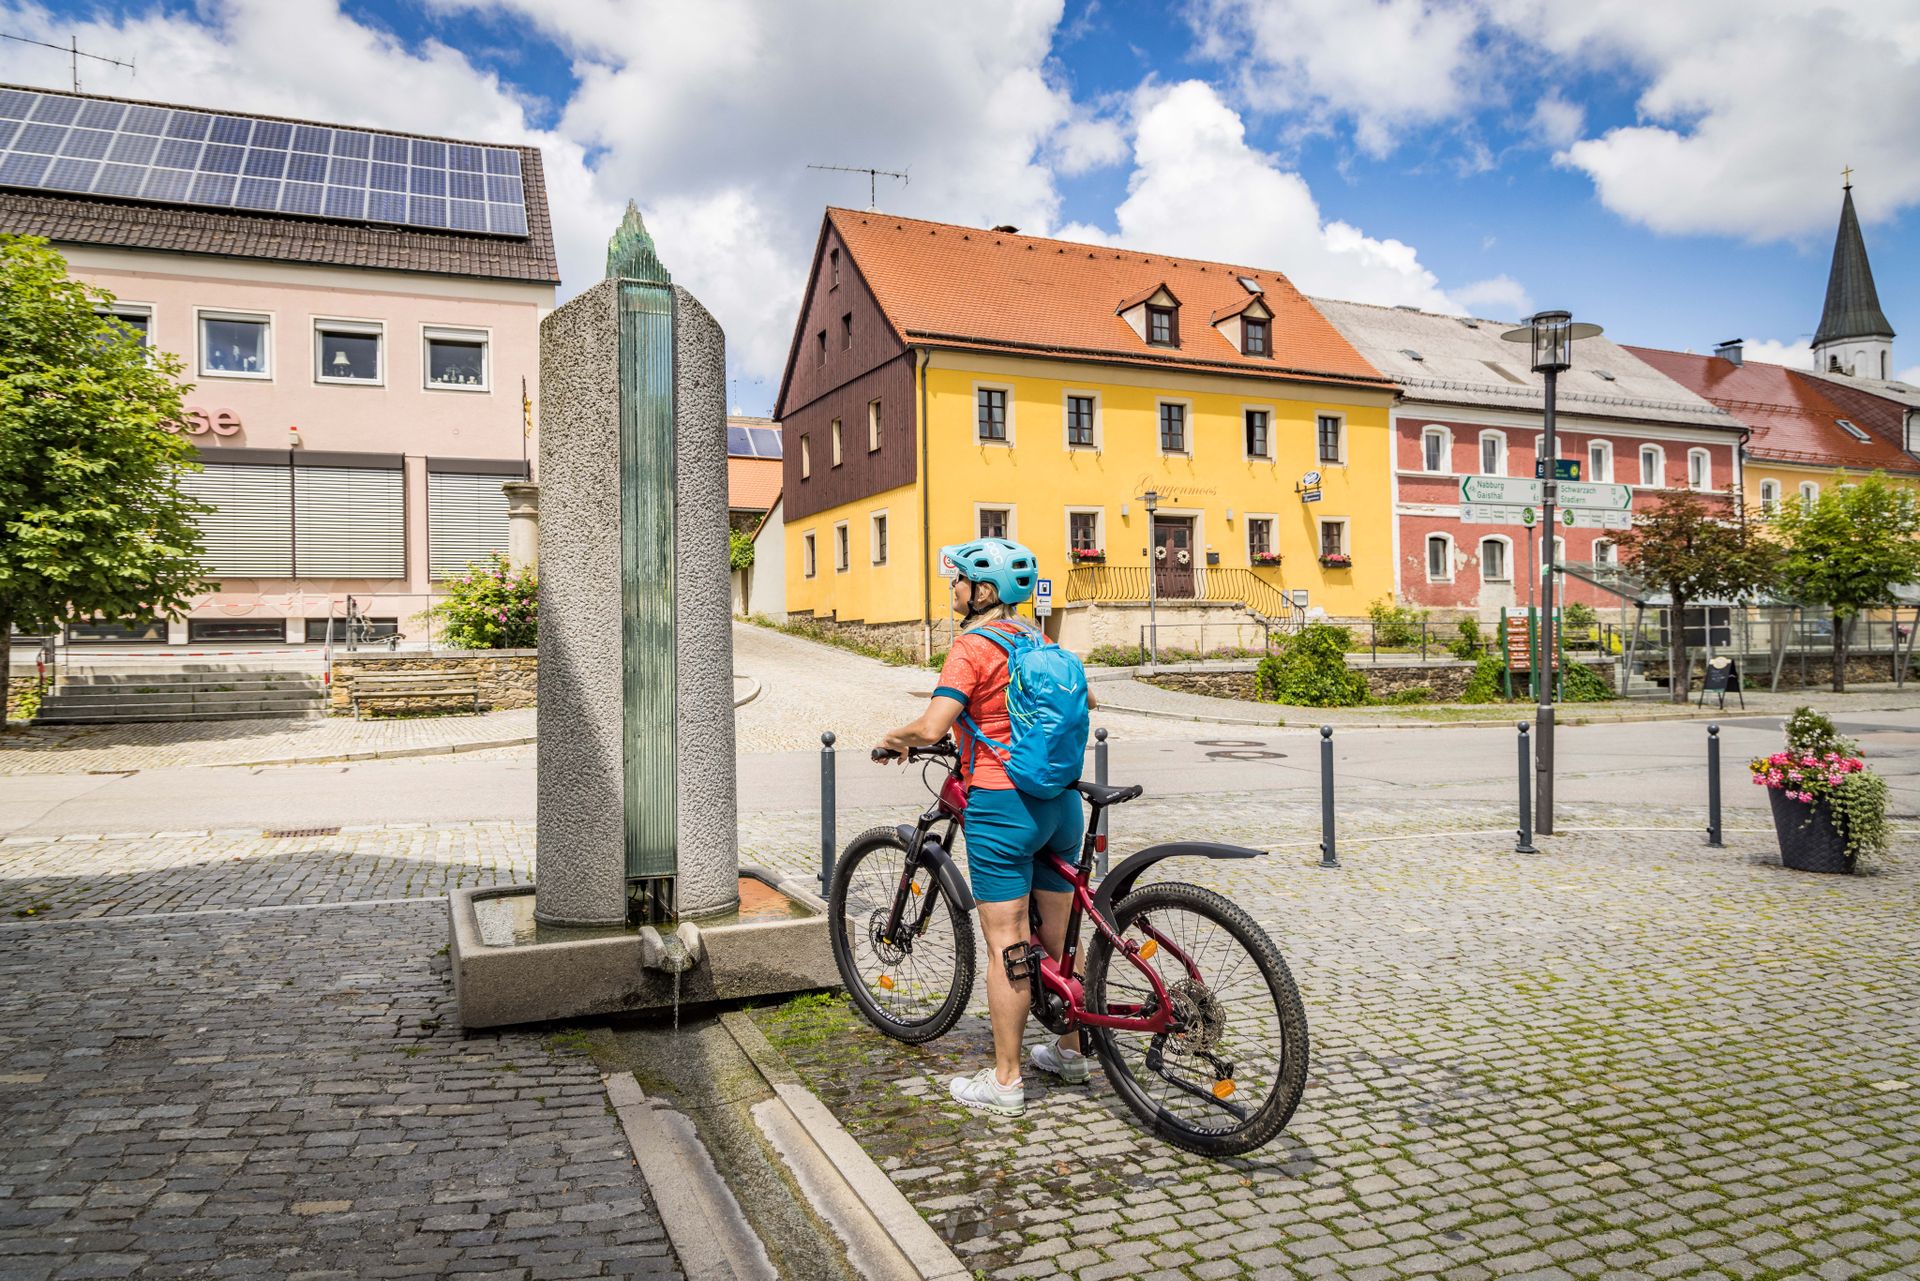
(1470, 406)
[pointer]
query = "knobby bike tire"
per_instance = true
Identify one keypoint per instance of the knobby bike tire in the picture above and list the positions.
(1290, 1022)
(845, 932)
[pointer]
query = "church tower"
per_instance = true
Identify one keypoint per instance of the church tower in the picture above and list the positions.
(1854, 337)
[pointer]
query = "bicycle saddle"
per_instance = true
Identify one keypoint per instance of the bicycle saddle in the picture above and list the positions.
(1102, 794)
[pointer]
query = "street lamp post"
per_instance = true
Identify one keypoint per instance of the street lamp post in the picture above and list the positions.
(1550, 335)
(1152, 501)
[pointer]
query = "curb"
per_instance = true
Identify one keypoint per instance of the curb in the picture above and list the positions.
(1521, 711)
(751, 694)
(885, 1237)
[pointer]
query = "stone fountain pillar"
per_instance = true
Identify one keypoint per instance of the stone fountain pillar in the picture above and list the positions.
(636, 769)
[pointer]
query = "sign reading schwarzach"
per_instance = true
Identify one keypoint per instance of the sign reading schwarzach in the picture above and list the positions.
(1595, 497)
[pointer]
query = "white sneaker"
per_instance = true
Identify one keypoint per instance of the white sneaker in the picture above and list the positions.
(1069, 1065)
(983, 1092)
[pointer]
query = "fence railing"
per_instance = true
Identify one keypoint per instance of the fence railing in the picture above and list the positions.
(1257, 589)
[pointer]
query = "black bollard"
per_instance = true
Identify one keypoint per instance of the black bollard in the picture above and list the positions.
(826, 813)
(1100, 777)
(1525, 843)
(1713, 787)
(1328, 856)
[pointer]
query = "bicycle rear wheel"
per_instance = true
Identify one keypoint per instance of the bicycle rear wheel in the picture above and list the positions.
(915, 985)
(1229, 1080)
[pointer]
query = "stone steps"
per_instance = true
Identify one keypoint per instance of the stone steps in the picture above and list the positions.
(97, 697)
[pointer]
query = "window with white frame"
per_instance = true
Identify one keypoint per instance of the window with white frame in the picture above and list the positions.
(1439, 558)
(1259, 538)
(842, 548)
(134, 319)
(1494, 566)
(1699, 469)
(809, 563)
(1559, 555)
(348, 351)
(1653, 466)
(1809, 493)
(236, 344)
(878, 538)
(1769, 497)
(1604, 552)
(1433, 449)
(873, 426)
(1493, 453)
(833, 441)
(457, 359)
(1330, 433)
(1333, 537)
(992, 406)
(995, 522)
(1173, 427)
(1259, 433)
(1080, 411)
(1083, 531)
(1600, 461)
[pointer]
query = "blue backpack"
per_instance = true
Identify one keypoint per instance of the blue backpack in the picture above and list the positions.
(1047, 706)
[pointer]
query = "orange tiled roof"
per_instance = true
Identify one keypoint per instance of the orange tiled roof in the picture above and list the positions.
(752, 483)
(1793, 419)
(954, 286)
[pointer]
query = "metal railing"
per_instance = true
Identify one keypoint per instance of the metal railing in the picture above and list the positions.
(1257, 589)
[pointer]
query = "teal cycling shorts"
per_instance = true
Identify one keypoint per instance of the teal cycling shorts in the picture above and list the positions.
(1006, 830)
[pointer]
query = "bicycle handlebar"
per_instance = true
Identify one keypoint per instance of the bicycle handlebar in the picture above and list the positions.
(943, 748)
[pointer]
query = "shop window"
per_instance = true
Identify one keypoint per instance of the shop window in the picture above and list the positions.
(268, 630)
(365, 630)
(456, 360)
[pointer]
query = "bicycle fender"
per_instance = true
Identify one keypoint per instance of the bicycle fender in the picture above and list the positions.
(1119, 882)
(933, 853)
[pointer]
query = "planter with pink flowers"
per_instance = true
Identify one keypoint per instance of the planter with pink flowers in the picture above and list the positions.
(1829, 810)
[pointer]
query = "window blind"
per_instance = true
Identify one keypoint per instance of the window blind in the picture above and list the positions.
(250, 531)
(466, 521)
(352, 522)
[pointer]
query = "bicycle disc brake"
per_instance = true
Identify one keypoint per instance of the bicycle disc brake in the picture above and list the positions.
(891, 952)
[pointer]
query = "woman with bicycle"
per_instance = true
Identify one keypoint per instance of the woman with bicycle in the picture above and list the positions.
(1006, 830)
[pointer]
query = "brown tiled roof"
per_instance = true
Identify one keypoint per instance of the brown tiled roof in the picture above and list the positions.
(753, 483)
(136, 224)
(961, 287)
(1793, 419)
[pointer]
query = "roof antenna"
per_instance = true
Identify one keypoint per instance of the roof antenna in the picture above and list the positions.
(873, 179)
(74, 53)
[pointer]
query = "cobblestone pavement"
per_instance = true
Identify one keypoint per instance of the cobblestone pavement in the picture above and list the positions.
(1628, 1056)
(278, 1089)
(84, 749)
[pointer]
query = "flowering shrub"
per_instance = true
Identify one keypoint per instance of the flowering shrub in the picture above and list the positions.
(1821, 768)
(491, 606)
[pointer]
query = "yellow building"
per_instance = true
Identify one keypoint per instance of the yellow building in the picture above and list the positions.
(947, 383)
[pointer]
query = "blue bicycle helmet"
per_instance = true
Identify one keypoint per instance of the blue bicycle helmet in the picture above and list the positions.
(1007, 565)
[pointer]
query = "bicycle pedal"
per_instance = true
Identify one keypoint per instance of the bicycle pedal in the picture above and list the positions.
(1022, 961)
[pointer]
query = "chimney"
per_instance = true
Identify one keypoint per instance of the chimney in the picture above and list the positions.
(1730, 350)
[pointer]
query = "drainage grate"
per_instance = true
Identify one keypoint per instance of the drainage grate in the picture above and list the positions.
(301, 831)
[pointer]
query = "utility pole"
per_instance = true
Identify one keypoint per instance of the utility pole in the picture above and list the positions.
(74, 53)
(873, 178)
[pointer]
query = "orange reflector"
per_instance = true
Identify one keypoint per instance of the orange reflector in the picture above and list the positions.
(1222, 1089)
(1147, 949)
(916, 888)
(886, 982)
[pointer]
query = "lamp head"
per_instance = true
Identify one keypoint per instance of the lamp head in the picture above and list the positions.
(1152, 499)
(1550, 336)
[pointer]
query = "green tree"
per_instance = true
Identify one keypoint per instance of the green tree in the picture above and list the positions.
(92, 518)
(1847, 550)
(1693, 553)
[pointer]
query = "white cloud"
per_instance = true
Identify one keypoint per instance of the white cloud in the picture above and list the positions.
(1501, 294)
(1385, 65)
(1199, 190)
(1911, 377)
(1556, 121)
(1797, 354)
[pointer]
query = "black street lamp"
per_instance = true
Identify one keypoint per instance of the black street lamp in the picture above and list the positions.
(1152, 500)
(1550, 337)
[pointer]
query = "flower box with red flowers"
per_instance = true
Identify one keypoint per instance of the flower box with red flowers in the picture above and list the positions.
(1266, 558)
(1089, 555)
(1335, 560)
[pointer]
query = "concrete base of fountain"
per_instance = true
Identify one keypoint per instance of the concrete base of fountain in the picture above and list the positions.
(507, 969)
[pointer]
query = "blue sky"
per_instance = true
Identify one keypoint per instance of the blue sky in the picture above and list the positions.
(1677, 182)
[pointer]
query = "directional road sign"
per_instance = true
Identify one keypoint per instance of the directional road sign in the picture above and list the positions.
(1497, 514)
(1595, 497)
(1586, 518)
(1513, 491)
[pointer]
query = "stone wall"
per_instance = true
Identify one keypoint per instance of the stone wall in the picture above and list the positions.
(1755, 673)
(17, 688)
(508, 678)
(1446, 678)
(901, 636)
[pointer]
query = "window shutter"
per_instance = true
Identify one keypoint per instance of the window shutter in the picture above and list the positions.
(466, 521)
(351, 522)
(250, 531)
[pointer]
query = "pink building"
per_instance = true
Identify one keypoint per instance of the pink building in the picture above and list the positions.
(1470, 406)
(358, 312)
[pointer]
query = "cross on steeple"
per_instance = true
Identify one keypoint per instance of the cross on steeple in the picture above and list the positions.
(1846, 178)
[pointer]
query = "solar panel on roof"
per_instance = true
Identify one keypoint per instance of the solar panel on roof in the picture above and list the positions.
(766, 442)
(739, 443)
(56, 142)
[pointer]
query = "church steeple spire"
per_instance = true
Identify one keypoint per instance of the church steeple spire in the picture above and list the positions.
(1854, 336)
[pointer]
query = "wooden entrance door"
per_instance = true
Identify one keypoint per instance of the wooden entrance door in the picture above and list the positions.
(1173, 553)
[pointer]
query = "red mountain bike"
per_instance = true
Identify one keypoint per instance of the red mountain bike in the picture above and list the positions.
(1185, 1000)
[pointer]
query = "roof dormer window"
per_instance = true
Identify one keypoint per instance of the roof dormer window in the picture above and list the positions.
(1160, 326)
(1253, 338)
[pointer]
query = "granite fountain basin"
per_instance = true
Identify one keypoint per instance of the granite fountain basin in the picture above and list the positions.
(507, 969)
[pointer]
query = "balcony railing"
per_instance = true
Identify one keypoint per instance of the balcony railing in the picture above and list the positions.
(1256, 589)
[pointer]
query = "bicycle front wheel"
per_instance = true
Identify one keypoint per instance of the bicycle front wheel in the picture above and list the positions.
(913, 984)
(1227, 1078)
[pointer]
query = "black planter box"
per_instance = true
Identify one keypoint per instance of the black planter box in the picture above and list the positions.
(1809, 841)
